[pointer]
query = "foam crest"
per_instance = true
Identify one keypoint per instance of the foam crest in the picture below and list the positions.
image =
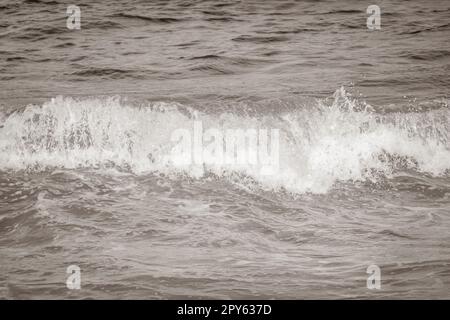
(333, 140)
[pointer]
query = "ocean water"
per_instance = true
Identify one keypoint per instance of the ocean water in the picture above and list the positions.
(87, 119)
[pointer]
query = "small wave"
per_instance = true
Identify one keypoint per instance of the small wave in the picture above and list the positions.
(16, 58)
(112, 73)
(49, 2)
(260, 39)
(428, 29)
(212, 69)
(428, 55)
(220, 65)
(164, 20)
(208, 56)
(64, 45)
(102, 24)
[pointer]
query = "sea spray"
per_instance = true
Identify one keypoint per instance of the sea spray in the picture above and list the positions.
(318, 146)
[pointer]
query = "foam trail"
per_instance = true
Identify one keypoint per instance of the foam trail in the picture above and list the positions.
(327, 142)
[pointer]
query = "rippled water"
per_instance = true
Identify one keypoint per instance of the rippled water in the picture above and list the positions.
(86, 118)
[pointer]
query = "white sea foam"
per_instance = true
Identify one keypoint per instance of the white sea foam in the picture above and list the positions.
(320, 145)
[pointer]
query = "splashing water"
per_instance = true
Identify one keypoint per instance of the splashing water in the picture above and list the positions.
(341, 140)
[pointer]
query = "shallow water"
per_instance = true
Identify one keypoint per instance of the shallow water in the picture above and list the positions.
(86, 124)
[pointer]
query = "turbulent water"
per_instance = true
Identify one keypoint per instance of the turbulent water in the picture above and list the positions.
(86, 133)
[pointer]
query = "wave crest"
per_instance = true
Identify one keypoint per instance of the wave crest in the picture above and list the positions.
(330, 141)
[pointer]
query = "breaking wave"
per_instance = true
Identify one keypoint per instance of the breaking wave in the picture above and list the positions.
(332, 140)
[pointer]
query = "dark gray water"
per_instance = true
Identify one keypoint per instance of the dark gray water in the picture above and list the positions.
(86, 118)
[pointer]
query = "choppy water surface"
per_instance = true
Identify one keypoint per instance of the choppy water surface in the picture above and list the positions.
(85, 129)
